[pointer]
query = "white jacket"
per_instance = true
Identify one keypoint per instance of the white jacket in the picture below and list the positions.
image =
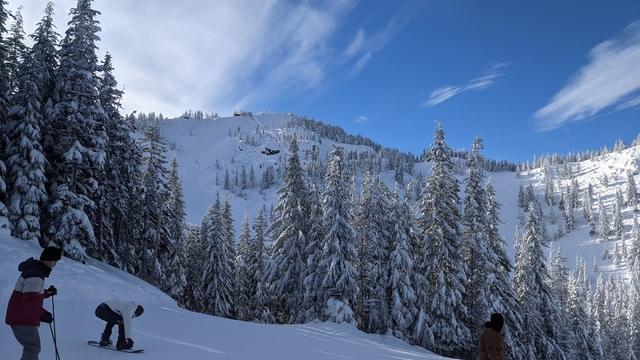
(126, 309)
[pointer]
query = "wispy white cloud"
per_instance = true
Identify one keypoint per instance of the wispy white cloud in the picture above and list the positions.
(611, 80)
(220, 55)
(363, 47)
(633, 102)
(445, 93)
(360, 119)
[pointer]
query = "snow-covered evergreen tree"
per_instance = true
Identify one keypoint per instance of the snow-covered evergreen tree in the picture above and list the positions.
(176, 267)
(373, 236)
(632, 191)
(25, 160)
(442, 263)
(403, 308)
(501, 293)
(549, 192)
(218, 272)
(618, 227)
(314, 250)
(285, 268)
(260, 301)
(4, 106)
(44, 55)
(603, 223)
(117, 214)
(78, 126)
(634, 247)
(634, 310)
(581, 329)
(155, 244)
(587, 205)
(16, 50)
(559, 291)
(243, 279)
(568, 213)
(337, 264)
(531, 281)
(477, 254)
(192, 297)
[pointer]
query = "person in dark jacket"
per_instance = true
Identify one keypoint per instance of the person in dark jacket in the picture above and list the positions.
(25, 311)
(491, 342)
(121, 313)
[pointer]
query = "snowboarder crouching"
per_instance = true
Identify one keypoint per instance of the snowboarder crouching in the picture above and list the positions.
(120, 313)
(25, 311)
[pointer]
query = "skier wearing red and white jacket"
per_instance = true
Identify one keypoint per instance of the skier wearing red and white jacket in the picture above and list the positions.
(25, 311)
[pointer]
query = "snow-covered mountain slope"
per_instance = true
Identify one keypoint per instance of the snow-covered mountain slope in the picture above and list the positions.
(615, 167)
(167, 332)
(206, 149)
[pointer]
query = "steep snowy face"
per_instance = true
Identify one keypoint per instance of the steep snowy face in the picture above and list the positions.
(165, 331)
(588, 208)
(241, 156)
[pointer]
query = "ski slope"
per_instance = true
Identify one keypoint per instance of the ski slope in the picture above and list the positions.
(167, 332)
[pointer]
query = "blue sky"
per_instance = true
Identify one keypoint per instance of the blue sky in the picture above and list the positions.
(517, 55)
(528, 76)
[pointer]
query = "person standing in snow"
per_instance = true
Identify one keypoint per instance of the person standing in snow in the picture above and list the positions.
(120, 313)
(25, 311)
(491, 342)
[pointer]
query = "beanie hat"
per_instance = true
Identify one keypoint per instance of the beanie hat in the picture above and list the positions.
(50, 253)
(497, 321)
(139, 310)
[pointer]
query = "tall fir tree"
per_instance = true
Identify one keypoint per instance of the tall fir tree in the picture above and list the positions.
(176, 267)
(117, 183)
(44, 54)
(634, 310)
(604, 229)
(78, 127)
(155, 244)
(5, 104)
(578, 321)
(537, 304)
(26, 161)
(337, 264)
(218, 272)
(478, 255)
(313, 251)
(634, 247)
(373, 237)
(442, 262)
(559, 291)
(243, 284)
(260, 300)
(192, 297)
(402, 304)
(632, 191)
(16, 50)
(502, 297)
(285, 268)
(618, 227)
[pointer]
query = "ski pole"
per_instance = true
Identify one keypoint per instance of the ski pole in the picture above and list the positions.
(53, 329)
(54, 342)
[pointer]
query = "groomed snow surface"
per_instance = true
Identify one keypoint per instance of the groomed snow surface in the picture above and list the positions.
(167, 332)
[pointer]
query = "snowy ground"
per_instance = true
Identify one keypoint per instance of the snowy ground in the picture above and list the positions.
(167, 332)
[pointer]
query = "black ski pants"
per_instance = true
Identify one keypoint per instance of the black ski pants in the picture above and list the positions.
(104, 312)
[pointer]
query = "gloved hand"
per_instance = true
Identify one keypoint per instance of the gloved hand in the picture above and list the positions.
(51, 291)
(125, 344)
(46, 317)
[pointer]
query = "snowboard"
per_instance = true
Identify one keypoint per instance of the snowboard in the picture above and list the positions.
(113, 347)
